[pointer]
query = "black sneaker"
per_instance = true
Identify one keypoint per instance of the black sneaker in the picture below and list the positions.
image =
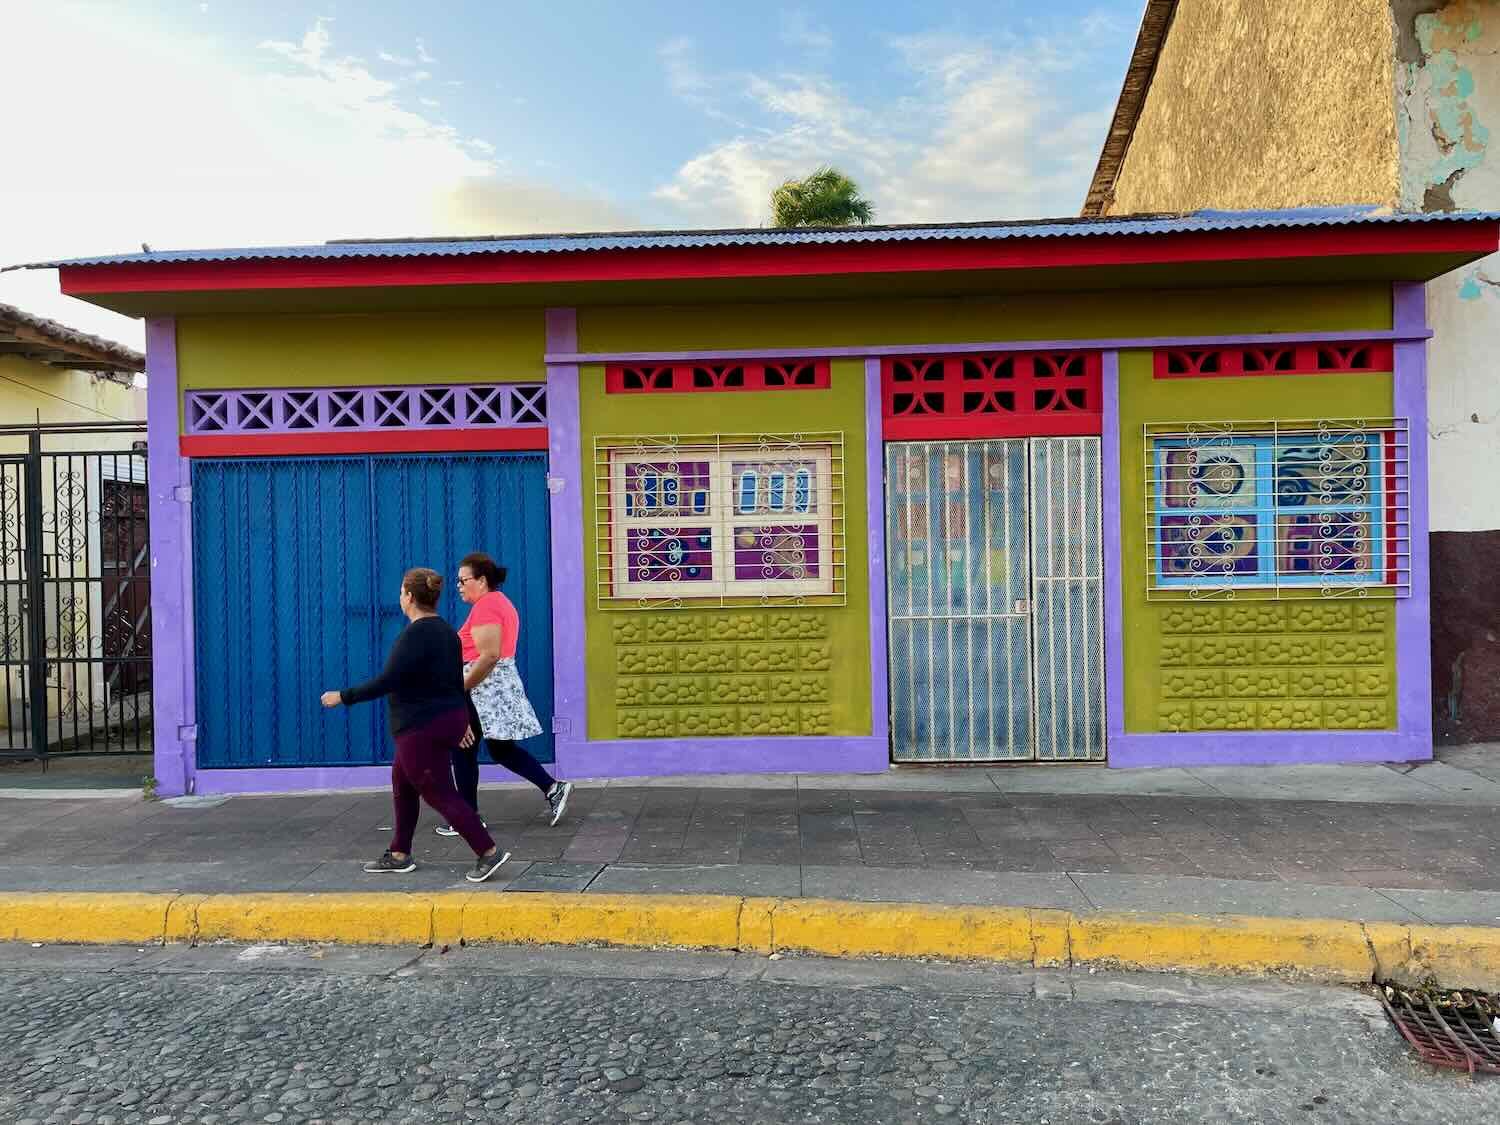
(449, 830)
(390, 865)
(557, 799)
(487, 865)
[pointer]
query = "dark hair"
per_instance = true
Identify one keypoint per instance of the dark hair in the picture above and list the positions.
(423, 585)
(482, 566)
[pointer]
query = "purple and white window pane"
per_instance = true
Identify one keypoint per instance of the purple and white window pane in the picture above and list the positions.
(669, 554)
(775, 553)
(666, 489)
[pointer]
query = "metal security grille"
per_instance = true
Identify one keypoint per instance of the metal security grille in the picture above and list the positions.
(1067, 606)
(994, 599)
(296, 567)
(75, 603)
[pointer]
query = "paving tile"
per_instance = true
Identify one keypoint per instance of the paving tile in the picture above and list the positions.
(556, 877)
(1190, 895)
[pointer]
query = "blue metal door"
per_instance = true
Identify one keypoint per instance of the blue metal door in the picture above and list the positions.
(296, 568)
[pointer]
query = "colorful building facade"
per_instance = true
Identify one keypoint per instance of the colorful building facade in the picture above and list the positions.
(1138, 492)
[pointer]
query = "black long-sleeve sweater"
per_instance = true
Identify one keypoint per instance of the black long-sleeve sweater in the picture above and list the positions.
(423, 675)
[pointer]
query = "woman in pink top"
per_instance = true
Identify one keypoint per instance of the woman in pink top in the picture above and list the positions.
(489, 638)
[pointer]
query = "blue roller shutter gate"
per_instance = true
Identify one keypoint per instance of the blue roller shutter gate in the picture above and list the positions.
(296, 566)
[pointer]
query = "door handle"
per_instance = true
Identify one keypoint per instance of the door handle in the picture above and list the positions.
(1022, 606)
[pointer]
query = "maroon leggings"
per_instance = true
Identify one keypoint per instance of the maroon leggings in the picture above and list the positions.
(422, 770)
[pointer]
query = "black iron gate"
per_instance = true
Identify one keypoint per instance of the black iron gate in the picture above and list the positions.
(75, 591)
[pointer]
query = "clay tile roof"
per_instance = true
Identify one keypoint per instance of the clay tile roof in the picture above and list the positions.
(47, 341)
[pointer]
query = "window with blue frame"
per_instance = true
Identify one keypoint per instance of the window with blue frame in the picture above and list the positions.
(1284, 507)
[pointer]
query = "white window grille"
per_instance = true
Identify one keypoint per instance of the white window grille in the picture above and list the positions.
(1277, 509)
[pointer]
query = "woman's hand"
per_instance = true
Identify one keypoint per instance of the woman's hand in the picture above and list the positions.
(468, 739)
(331, 699)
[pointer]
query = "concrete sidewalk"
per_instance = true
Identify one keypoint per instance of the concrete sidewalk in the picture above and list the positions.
(1406, 845)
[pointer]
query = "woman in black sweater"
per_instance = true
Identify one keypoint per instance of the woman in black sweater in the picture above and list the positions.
(429, 715)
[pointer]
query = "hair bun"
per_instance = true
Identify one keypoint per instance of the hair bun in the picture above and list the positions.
(434, 582)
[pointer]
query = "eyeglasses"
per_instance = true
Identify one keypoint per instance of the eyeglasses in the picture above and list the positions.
(462, 578)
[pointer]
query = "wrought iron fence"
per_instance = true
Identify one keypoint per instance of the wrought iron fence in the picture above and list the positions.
(75, 591)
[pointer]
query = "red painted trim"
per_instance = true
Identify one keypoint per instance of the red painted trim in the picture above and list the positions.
(1373, 356)
(805, 259)
(681, 378)
(994, 394)
(361, 441)
(994, 425)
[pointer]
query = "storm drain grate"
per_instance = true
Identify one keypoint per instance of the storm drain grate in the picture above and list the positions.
(1458, 1029)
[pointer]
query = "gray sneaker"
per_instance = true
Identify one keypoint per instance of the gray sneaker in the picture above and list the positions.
(487, 865)
(390, 865)
(557, 799)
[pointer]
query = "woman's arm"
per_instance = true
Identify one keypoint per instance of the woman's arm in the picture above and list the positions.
(398, 665)
(487, 641)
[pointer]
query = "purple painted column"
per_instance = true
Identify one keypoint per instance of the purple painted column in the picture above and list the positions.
(880, 709)
(172, 674)
(565, 482)
(1114, 589)
(1413, 614)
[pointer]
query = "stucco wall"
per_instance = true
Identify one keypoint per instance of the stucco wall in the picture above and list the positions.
(1259, 104)
(1448, 100)
(29, 389)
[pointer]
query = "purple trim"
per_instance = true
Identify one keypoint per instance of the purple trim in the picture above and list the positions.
(656, 757)
(172, 673)
(1413, 613)
(560, 356)
(1114, 589)
(1261, 748)
(566, 484)
(291, 779)
(297, 410)
(880, 707)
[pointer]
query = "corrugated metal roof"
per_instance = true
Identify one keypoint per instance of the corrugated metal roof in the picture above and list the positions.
(697, 239)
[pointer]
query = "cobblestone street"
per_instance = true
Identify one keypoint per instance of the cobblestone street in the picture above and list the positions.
(225, 1034)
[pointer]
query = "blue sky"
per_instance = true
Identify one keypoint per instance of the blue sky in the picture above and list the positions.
(210, 123)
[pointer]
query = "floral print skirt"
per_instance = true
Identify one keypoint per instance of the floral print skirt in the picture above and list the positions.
(500, 699)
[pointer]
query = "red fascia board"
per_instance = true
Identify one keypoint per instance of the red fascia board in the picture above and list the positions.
(360, 441)
(804, 259)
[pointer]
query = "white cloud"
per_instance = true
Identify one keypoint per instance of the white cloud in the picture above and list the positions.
(204, 146)
(798, 30)
(981, 131)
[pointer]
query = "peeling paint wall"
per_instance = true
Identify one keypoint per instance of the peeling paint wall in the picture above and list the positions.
(1448, 99)
(1257, 103)
(1447, 103)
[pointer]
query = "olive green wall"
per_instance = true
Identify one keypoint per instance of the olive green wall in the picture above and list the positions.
(361, 349)
(744, 669)
(1299, 663)
(1038, 316)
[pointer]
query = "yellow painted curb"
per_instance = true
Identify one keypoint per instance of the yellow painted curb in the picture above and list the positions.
(108, 919)
(1320, 949)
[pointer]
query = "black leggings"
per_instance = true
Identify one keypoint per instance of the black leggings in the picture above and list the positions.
(503, 752)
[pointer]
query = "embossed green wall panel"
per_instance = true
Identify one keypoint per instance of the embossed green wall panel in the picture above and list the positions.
(740, 670)
(1302, 663)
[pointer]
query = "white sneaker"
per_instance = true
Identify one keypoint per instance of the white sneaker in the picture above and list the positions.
(449, 830)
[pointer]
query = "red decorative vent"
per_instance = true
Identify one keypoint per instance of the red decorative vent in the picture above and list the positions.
(722, 375)
(1283, 359)
(1003, 394)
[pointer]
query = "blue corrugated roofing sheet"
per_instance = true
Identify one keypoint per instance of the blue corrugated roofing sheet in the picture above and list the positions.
(642, 240)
